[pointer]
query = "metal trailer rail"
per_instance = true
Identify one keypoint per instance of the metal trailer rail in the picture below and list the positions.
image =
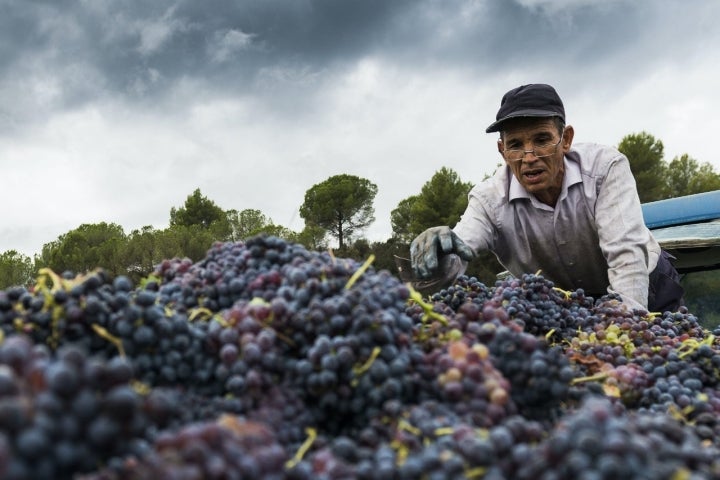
(688, 228)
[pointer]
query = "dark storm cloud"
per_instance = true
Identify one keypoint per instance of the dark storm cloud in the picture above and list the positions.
(60, 54)
(123, 40)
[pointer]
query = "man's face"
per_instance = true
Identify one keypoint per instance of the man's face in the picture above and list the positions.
(533, 148)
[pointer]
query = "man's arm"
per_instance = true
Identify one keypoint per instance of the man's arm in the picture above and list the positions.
(626, 242)
(472, 233)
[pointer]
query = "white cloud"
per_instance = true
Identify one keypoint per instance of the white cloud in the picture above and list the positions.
(155, 32)
(228, 43)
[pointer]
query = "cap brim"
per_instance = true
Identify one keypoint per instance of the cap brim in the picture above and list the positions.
(495, 126)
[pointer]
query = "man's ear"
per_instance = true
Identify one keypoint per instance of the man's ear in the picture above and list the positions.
(500, 147)
(568, 138)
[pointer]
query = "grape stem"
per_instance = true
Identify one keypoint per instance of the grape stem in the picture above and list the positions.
(359, 272)
(359, 370)
(690, 345)
(109, 337)
(429, 312)
(312, 435)
(591, 378)
(565, 293)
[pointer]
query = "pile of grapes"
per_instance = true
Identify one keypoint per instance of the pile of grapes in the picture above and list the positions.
(268, 361)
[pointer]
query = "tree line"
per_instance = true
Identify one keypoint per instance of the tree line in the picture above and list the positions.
(340, 207)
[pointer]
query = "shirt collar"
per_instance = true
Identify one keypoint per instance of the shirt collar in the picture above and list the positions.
(571, 177)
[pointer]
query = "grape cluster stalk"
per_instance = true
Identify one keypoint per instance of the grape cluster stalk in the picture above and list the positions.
(265, 360)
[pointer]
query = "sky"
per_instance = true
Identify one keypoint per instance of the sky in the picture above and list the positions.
(117, 110)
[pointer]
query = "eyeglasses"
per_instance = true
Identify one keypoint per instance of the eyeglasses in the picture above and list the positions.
(540, 151)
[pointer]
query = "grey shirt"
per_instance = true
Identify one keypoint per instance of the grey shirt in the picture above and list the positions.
(594, 238)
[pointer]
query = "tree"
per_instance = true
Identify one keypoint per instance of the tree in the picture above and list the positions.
(686, 176)
(359, 250)
(385, 252)
(197, 210)
(16, 269)
(246, 223)
(148, 246)
(141, 252)
(277, 231)
(192, 241)
(250, 222)
(401, 219)
(86, 248)
(645, 154)
(312, 237)
(342, 205)
(441, 201)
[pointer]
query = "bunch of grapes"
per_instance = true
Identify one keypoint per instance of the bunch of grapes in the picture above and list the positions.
(228, 447)
(267, 360)
(541, 308)
(67, 413)
(602, 440)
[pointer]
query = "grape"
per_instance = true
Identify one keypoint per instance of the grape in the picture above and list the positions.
(268, 360)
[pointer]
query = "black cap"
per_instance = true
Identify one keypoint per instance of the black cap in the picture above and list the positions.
(534, 100)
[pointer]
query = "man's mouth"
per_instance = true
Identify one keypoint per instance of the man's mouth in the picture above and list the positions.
(533, 174)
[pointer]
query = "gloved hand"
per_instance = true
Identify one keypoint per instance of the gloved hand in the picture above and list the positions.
(435, 241)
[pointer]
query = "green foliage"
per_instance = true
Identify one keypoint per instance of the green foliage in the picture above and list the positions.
(441, 201)
(277, 231)
(384, 252)
(401, 219)
(246, 223)
(312, 237)
(342, 205)
(16, 269)
(191, 241)
(199, 210)
(359, 250)
(87, 247)
(250, 222)
(686, 176)
(147, 247)
(645, 154)
(142, 251)
(192, 231)
(657, 180)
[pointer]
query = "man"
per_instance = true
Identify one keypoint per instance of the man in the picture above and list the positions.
(571, 212)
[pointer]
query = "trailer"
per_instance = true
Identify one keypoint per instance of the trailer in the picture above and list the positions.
(688, 228)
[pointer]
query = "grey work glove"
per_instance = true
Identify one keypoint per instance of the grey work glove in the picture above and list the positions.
(432, 243)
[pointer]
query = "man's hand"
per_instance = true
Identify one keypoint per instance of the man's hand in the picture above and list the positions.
(435, 241)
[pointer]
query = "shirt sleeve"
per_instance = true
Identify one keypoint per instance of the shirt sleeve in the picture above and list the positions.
(624, 239)
(475, 227)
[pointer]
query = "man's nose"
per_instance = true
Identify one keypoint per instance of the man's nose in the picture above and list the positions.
(532, 157)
